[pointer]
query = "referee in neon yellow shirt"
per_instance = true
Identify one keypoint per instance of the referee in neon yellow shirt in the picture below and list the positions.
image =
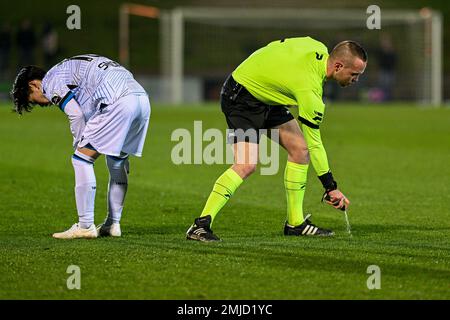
(284, 73)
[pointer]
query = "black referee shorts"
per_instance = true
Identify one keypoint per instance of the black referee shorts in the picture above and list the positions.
(243, 111)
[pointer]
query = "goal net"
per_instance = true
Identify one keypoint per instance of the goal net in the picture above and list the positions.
(199, 47)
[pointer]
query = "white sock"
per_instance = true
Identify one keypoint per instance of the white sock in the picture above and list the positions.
(85, 187)
(117, 188)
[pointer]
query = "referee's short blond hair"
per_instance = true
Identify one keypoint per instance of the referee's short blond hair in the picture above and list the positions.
(347, 49)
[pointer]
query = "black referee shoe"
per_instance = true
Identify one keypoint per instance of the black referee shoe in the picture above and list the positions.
(201, 231)
(306, 229)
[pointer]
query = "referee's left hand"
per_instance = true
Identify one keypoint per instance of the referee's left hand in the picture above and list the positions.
(337, 199)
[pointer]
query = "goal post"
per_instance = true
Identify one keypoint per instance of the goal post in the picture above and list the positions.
(125, 11)
(207, 42)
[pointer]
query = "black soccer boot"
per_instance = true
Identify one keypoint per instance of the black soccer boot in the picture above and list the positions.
(201, 230)
(306, 229)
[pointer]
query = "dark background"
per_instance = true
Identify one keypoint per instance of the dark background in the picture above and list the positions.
(99, 34)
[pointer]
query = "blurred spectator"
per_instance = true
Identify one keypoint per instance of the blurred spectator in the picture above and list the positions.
(387, 63)
(49, 45)
(5, 49)
(26, 42)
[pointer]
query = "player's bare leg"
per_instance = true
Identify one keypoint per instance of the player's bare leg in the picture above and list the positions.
(245, 161)
(291, 138)
(89, 152)
(295, 177)
(245, 158)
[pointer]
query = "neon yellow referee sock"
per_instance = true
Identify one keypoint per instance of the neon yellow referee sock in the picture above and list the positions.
(295, 176)
(222, 191)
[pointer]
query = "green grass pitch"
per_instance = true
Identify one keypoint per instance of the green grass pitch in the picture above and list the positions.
(391, 161)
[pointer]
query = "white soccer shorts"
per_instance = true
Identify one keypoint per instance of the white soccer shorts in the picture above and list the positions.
(120, 127)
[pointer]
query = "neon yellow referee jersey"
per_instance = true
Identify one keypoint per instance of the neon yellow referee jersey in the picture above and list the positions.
(290, 72)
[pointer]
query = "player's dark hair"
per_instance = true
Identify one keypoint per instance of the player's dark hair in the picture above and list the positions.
(21, 88)
(348, 46)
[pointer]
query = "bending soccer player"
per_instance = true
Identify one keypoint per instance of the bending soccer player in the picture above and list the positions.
(255, 96)
(108, 112)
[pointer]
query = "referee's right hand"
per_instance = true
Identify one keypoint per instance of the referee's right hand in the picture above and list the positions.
(337, 199)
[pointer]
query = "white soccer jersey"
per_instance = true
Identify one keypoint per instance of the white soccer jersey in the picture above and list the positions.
(94, 81)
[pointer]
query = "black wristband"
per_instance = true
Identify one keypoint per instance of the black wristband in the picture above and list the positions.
(328, 181)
